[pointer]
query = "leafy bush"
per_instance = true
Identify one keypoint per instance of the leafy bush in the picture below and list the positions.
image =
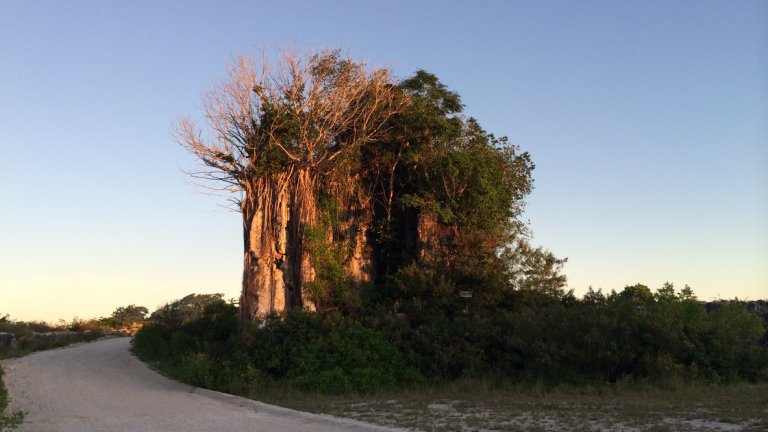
(125, 316)
(184, 310)
(329, 354)
(152, 342)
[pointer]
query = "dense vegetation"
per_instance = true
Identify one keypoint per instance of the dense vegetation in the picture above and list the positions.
(442, 284)
(633, 335)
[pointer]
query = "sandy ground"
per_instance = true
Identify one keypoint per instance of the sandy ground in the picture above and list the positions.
(101, 386)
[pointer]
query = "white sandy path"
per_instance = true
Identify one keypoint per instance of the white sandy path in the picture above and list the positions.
(101, 386)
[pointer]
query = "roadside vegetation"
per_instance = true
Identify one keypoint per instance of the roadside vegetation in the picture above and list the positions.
(8, 421)
(19, 338)
(31, 336)
(24, 337)
(538, 361)
(631, 336)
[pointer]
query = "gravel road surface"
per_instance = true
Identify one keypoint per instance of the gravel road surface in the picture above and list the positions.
(101, 386)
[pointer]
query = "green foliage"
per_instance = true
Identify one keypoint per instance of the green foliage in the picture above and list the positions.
(152, 342)
(635, 335)
(534, 272)
(184, 310)
(211, 330)
(327, 354)
(540, 335)
(448, 196)
(631, 336)
(124, 316)
(332, 288)
(11, 421)
(475, 181)
(732, 339)
(433, 111)
(312, 352)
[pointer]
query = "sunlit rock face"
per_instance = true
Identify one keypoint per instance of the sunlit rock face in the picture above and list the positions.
(360, 265)
(434, 239)
(278, 257)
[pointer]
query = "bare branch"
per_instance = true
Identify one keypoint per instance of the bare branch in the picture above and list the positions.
(311, 109)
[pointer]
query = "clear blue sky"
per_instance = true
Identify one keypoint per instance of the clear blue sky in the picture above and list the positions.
(647, 121)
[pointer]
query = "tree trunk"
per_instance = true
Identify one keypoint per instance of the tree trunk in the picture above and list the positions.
(278, 213)
(265, 240)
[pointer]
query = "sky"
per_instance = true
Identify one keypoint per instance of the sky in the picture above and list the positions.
(647, 122)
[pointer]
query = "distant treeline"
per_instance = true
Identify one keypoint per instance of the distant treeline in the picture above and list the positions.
(757, 307)
(631, 335)
(19, 338)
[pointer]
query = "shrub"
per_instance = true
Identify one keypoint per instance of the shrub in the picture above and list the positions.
(312, 352)
(630, 336)
(198, 369)
(327, 353)
(152, 342)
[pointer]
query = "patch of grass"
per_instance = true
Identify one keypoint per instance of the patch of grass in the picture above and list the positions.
(468, 405)
(11, 420)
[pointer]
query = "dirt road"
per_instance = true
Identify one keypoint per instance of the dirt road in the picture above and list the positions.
(101, 386)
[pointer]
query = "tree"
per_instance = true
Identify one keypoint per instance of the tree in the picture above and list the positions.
(187, 309)
(277, 136)
(344, 177)
(127, 315)
(537, 274)
(448, 197)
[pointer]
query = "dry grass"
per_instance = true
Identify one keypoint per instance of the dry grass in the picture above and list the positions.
(472, 406)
